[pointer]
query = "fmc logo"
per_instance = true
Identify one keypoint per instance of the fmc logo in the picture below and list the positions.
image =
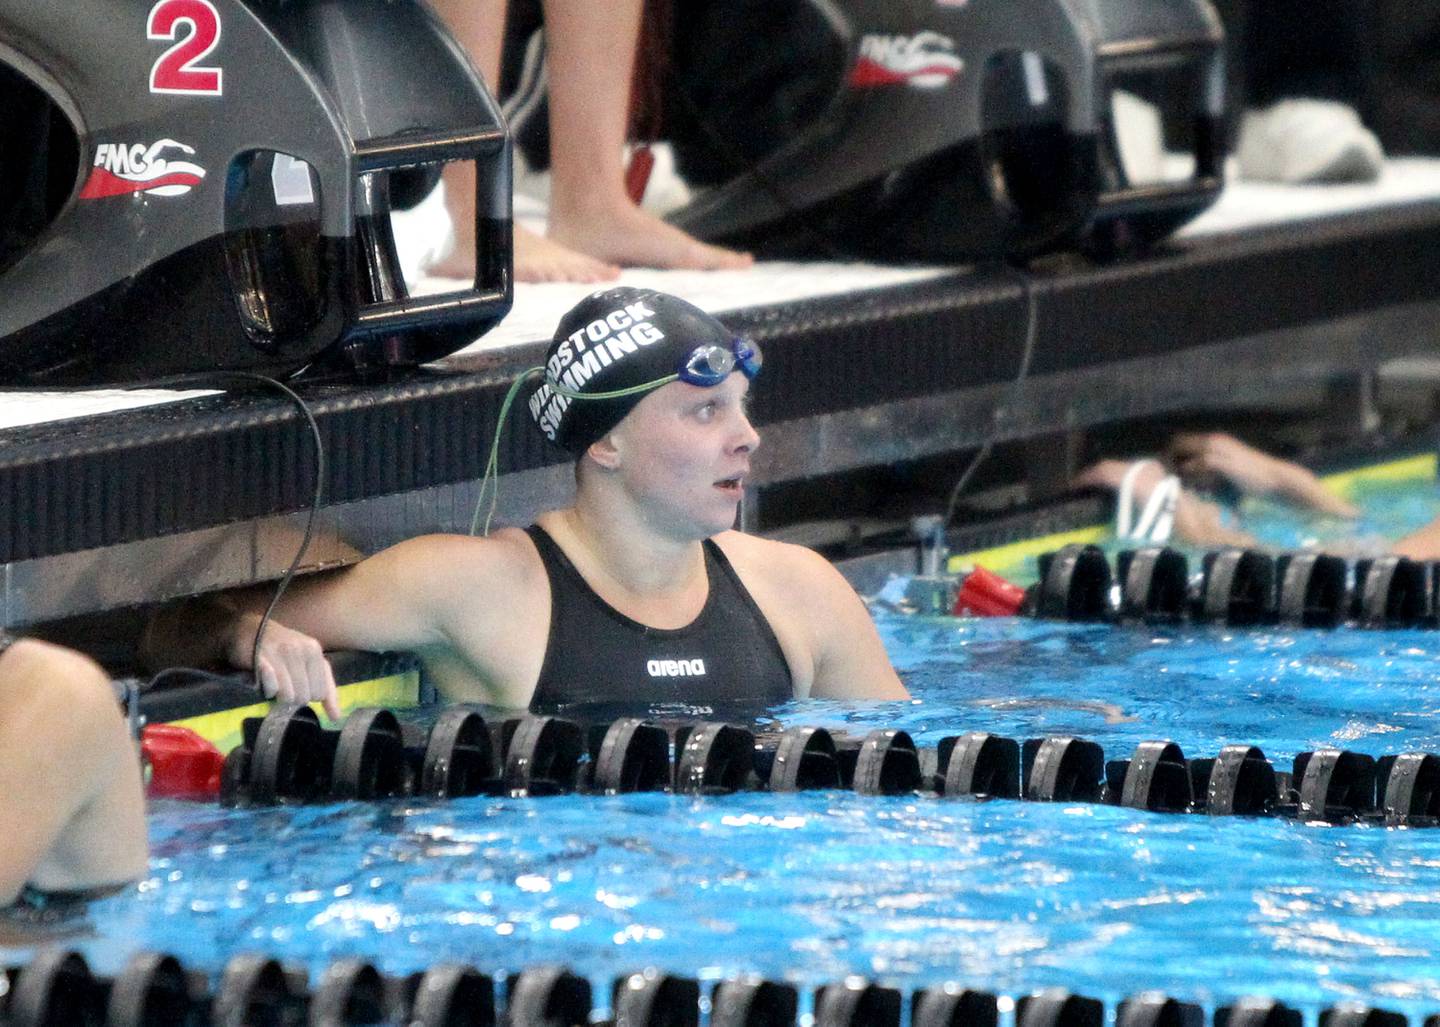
(123, 169)
(925, 60)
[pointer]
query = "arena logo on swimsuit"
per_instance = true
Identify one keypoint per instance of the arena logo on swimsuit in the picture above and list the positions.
(581, 356)
(676, 668)
(925, 60)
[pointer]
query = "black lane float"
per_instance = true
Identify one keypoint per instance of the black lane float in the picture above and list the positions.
(1236, 588)
(57, 989)
(289, 758)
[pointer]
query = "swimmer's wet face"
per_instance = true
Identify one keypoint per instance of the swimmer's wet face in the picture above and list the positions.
(683, 455)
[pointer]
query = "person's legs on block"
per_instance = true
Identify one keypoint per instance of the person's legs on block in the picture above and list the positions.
(72, 809)
(594, 225)
(479, 26)
(592, 57)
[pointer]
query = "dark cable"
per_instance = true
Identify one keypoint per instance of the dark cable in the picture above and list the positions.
(316, 497)
(188, 673)
(1003, 412)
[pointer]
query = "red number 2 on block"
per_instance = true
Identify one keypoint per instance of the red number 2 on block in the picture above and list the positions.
(176, 71)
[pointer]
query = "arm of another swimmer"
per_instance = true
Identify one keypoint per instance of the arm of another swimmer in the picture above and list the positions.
(850, 659)
(1423, 544)
(71, 803)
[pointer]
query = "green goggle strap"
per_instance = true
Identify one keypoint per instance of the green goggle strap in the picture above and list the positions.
(491, 478)
(632, 390)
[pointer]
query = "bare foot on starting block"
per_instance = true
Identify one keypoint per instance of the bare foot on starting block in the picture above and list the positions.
(623, 234)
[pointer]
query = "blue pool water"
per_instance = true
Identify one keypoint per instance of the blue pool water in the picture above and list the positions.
(1000, 895)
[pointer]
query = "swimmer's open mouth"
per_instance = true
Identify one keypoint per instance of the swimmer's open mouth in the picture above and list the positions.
(734, 484)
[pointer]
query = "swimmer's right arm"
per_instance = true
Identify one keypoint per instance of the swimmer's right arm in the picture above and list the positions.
(220, 629)
(413, 595)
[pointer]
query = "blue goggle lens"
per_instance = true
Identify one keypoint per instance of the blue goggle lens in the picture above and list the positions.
(710, 365)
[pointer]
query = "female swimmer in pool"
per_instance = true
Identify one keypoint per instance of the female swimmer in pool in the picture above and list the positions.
(1158, 495)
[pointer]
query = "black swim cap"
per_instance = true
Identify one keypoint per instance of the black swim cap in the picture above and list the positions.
(612, 340)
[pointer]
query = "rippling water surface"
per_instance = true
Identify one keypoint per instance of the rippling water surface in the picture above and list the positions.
(1001, 895)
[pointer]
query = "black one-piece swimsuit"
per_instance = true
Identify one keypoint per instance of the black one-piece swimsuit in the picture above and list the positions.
(595, 654)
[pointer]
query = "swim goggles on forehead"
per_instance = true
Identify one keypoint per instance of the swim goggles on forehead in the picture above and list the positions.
(705, 366)
(712, 364)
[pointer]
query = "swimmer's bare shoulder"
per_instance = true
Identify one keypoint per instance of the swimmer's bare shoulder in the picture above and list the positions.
(823, 628)
(477, 608)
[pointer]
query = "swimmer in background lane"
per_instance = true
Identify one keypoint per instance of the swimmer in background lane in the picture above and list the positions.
(72, 808)
(637, 593)
(1212, 459)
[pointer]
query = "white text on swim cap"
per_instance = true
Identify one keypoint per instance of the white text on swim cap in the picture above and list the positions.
(629, 316)
(676, 668)
(611, 338)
